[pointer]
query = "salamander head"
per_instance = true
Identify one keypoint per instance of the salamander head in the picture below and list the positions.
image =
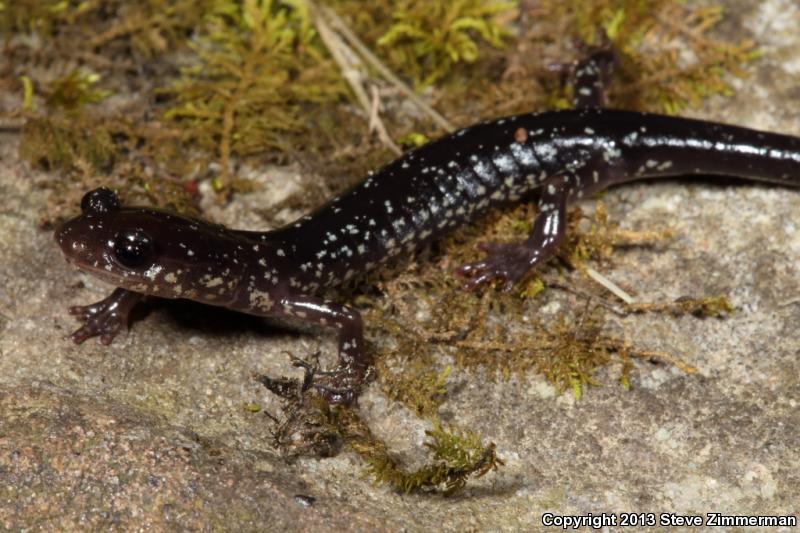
(152, 251)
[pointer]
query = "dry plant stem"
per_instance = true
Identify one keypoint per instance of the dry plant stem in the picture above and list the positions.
(376, 124)
(608, 284)
(693, 33)
(134, 24)
(348, 65)
(338, 24)
(663, 356)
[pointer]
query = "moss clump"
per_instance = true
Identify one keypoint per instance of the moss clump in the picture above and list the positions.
(258, 63)
(457, 456)
(427, 39)
(313, 427)
(597, 236)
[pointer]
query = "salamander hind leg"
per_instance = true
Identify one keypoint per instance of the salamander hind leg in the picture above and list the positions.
(590, 77)
(343, 384)
(105, 318)
(508, 263)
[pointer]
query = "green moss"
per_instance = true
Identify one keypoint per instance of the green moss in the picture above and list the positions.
(75, 90)
(257, 64)
(313, 427)
(427, 39)
(456, 456)
(31, 15)
(54, 143)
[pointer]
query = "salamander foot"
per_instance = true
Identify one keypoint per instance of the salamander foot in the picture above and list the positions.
(504, 262)
(337, 387)
(105, 318)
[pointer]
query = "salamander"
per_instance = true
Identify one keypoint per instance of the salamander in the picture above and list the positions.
(556, 156)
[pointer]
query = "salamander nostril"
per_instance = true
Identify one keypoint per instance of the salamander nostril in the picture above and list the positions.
(100, 200)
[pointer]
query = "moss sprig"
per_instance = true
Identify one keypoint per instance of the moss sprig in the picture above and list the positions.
(427, 39)
(256, 66)
(456, 457)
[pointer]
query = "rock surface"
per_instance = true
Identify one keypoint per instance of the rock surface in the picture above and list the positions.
(152, 431)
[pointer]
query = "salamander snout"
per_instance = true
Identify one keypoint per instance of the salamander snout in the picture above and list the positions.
(76, 240)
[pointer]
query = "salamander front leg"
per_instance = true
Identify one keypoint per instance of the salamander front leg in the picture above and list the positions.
(510, 262)
(342, 385)
(105, 318)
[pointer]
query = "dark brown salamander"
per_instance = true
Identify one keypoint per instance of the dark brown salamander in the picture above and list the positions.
(559, 155)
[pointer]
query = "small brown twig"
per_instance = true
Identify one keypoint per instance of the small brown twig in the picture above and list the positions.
(349, 64)
(338, 24)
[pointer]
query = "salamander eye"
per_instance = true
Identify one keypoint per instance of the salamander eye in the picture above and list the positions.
(102, 200)
(133, 248)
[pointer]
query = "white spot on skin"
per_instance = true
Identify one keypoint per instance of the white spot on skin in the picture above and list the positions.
(505, 163)
(589, 131)
(261, 300)
(210, 282)
(547, 151)
(171, 278)
(152, 272)
(611, 153)
(524, 154)
(280, 252)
